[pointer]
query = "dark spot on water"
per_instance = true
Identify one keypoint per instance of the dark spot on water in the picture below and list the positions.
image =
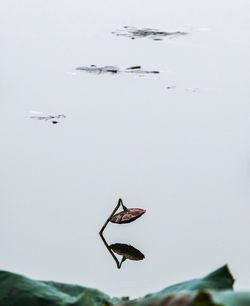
(112, 70)
(50, 118)
(98, 70)
(115, 70)
(134, 67)
(154, 34)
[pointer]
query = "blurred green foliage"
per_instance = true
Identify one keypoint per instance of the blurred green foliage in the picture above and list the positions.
(215, 289)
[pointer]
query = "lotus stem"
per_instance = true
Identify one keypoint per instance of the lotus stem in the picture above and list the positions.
(114, 211)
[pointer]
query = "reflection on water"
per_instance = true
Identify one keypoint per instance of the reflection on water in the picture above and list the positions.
(51, 118)
(126, 251)
(132, 32)
(115, 69)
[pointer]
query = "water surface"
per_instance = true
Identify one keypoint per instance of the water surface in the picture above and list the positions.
(182, 154)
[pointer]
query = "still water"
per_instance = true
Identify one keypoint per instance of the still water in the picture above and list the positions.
(175, 143)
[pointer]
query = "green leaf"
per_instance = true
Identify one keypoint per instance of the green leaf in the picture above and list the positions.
(218, 280)
(17, 290)
(192, 289)
(215, 289)
(231, 298)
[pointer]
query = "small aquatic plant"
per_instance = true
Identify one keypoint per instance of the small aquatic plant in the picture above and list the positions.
(126, 216)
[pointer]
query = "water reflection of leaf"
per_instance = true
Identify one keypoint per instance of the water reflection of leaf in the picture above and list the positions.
(127, 251)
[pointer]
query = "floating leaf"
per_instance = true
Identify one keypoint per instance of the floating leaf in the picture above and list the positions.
(128, 215)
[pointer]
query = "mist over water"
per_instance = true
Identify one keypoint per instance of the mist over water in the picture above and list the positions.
(174, 143)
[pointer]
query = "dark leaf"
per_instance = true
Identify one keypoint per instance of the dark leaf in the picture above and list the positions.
(128, 251)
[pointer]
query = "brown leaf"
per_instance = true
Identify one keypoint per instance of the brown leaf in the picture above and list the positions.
(128, 215)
